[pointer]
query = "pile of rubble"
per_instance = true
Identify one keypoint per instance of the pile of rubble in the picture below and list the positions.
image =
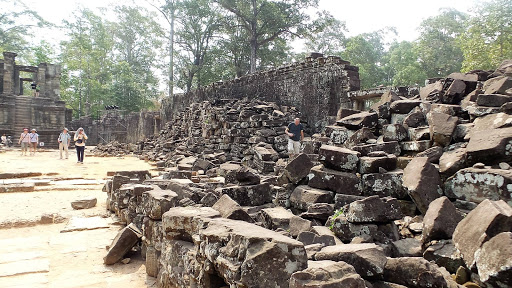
(237, 131)
(114, 149)
(413, 193)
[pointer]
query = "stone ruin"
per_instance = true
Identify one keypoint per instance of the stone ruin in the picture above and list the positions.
(46, 113)
(413, 192)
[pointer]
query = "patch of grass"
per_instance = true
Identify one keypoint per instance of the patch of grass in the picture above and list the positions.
(336, 215)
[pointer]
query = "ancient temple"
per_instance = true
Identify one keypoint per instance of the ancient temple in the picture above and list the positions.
(46, 112)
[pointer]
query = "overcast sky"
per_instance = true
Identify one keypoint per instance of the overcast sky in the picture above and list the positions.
(360, 15)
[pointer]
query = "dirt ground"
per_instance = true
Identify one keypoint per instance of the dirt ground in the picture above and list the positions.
(33, 254)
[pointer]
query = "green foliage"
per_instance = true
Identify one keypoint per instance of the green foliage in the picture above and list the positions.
(487, 41)
(402, 64)
(336, 215)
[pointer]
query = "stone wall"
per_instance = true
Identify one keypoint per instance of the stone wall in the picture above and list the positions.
(317, 87)
(115, 125)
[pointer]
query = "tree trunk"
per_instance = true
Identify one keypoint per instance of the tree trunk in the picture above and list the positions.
(254, 38)
(171, 52)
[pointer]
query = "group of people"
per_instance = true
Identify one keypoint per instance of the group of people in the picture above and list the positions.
(29, 141)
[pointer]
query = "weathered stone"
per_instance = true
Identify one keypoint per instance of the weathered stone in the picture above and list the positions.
(310, 238)
(338, 134)
(344, 112)
(372, 164)
(373, 209)
(336, 181)
(298, 168)
(325, 274)
(415, 146)
(423, 183)
(476, 185)
(418, 134)
(209, 199)
(124, 241)
(491, 139)
(442, 127)
(338, 158)
(404, 106)
(298, 225)
(252, 195)
(494, 262)
(440, 220)
(359, 120)
(408, 247)
(341, 200)
(368, 259)
(414, 272)
(454, 93)
(392, 147)
(498, 85)
(319, 211)
(444, 254)
(492, 100)
(242, 176)
(487, 220)
(384, 185)
(452, 161)
(228, 208)
(346, 231)
(84, 203)
(384, 284)
(156, 202)
(303, 196)
(394, 132)
(325, 231)
(433, 154)
(415, 119)
(431, 92)
(361, 136)
(274, 218)
(453, 110)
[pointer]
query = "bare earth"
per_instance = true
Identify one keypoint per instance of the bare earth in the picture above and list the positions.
(33, 254)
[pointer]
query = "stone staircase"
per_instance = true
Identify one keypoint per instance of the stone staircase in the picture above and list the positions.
(23, 114)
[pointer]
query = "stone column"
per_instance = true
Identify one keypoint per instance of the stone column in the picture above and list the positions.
(9, 65)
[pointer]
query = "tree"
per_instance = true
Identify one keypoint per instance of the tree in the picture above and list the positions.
(137, 39)
(366, 51)
(328, 38)
(199, 23)
(488, 39)
(402, 64)
(438, 49)
(264, 21)
(16, 24)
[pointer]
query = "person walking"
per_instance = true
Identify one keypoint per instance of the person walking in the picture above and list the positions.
(80, 138)
(4, 140)
(34, 140)
(24, 141)
(295, 132)
(64, 140)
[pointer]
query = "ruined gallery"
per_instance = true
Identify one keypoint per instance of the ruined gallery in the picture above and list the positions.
(394, 187)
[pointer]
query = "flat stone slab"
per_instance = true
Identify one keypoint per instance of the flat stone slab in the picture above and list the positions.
(21, 187)
(19, 175)
(80, 224)
(24, 267)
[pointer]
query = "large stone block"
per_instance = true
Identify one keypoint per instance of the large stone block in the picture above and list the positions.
(373, 209)
(338, 134)
(122, 243)
(487, 220)
(491, 139)
(442, 127)
(336, 181)
(359, 120)
(476, 185)
(338, 158)
(369, 164)
(346, 231)
(394, 132)
(404, 106)
(369, 260)
(303, 196)
(414, 272)
(392, 147)
(274, 218)
(492, 100)
(228, 208)
(444, 254)
(452, 161)
(325, 274)
(423, 183)
(156, 202)
(440, 220)
(251, 195)
(298, 168)
(384, 185)
(494, 262)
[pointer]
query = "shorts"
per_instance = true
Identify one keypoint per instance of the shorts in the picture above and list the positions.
(33, 144)
(293, 146)
(24, 145)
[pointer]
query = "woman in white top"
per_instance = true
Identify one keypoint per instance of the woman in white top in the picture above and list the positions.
(80, 138)
(34, 140)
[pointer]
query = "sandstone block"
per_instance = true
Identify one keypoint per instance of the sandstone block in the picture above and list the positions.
(303, 196)
(338, 158)
(325, 274)
(373, 209)
(298, 168)
(124, 241)
(440, 220)
(228, 208)
(336, 181)
(423, 183)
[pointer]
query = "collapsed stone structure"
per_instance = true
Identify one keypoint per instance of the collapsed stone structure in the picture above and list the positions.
(402, 195)
(46, 113)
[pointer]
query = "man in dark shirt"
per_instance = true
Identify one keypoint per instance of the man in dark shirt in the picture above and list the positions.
(295, 131)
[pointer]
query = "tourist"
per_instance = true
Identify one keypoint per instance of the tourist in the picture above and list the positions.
(34, 140)
(24, 141)
(4, 139)
(64, 141)
(295, 131)
(80, 138)
(38, 88)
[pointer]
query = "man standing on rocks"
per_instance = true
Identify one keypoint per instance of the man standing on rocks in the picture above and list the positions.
(64, 140)
(295, 131)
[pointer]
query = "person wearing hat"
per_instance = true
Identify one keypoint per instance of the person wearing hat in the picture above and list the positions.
(24, 141)
(34, 140)
(80, 138)
(64, 140)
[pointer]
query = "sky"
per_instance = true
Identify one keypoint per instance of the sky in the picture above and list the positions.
(360, 16)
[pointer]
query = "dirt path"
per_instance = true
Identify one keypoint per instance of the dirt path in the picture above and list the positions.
(33, 254)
